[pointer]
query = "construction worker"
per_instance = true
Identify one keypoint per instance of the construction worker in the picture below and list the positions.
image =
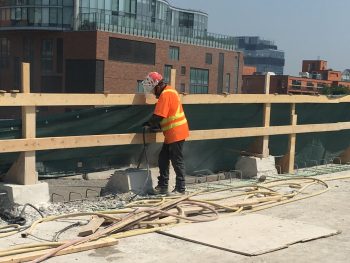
(170, 117)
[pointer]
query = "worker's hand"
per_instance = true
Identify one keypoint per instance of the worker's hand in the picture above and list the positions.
(146, 124)
(149, 128)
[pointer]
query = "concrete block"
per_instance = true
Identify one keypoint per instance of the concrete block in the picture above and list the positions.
(252, 167)
(200, 180)
(221, 176)
(212, 178)
(190, 179)
(35, 194)
(136, 180)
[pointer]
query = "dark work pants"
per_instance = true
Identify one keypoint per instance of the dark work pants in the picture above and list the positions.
(172, 152)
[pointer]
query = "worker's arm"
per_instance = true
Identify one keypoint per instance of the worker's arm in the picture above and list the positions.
(154, 122)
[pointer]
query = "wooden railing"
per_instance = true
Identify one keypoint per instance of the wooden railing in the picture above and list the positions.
(23, 170)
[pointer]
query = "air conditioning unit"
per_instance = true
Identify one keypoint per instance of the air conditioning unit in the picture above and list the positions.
(304, 74)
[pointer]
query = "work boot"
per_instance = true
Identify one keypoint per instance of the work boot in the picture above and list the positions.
(160, 190)
(177, 192)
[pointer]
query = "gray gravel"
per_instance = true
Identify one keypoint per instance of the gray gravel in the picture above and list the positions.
(60, 208)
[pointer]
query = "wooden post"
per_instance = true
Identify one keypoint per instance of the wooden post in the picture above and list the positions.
(173, 78)
(23, 170)
(266, 118)
(292, 140)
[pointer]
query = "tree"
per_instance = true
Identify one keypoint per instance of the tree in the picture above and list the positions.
(337, 90)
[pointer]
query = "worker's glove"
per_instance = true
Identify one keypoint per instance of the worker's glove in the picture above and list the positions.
(149, 128)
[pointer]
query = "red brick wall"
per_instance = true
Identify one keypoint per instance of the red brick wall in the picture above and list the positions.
(333, 75)
(314, 65)
(121, 77)
(253, 84)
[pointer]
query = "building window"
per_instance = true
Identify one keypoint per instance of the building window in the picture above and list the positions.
(84, 76)
(182, 87)
(199, 81)
(16, 72)
(296, 84)
(59, 55)
(167, 73)
(321, 85)
(186, 19)
(227, 83)
(174, 53)
(310, 85)
(132, 51)
(139, 87)
(183, 70)
(28, 50)
(47, 55)
(4, 52)
(208, 58)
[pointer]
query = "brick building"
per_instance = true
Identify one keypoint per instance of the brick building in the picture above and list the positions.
(109, 46)
(314, 77)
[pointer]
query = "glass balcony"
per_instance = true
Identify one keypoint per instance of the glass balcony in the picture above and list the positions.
(157, 29)
(36, 17)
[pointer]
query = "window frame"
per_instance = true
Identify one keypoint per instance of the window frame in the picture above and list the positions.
(174, 53)
(183, 70)
(208, 58)
(47, 56)
(167, 73)
(199, 81)
(4, 52)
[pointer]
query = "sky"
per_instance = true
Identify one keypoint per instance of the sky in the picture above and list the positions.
(303, 29)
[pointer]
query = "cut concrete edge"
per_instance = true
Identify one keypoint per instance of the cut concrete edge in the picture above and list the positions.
(104, 175)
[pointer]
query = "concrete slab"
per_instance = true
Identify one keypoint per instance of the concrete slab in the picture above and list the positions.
(136, 180)
(250, 235)
(35, 194)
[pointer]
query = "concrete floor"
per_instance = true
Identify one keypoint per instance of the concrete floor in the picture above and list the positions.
(330, 209)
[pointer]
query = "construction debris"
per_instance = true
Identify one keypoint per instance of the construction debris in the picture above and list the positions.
(205, 202)
(199, 206)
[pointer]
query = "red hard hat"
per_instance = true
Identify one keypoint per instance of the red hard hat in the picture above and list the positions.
(152, 80)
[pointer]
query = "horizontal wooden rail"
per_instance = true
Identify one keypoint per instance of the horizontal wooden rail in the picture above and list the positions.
(23, 169)
(41, 99)
(50, 143)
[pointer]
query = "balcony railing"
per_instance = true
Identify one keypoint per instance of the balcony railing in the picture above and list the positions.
(136, 27)
(303, 88)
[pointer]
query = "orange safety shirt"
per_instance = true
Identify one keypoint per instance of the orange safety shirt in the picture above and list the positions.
(174, 124)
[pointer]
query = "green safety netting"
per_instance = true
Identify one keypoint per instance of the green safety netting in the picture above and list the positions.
(213, 155)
